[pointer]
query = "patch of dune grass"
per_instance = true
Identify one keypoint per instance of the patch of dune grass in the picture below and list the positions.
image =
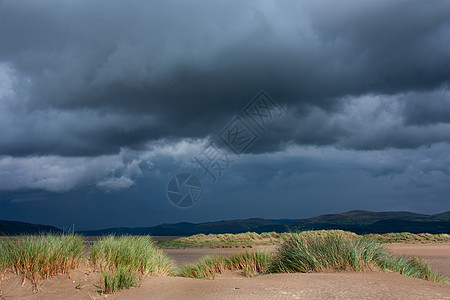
(407, 237)
(317, 252)
(250, 263)
(119, 279)
(274, 238)
(313, 252)
(223, 240)
(205, 268)
(412, 267)
(3, 255)
(124, 259)
(41, 256)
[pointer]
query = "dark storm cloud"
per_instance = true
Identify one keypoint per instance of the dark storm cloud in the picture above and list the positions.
(423, 110)
(93, 77)
(299, 182)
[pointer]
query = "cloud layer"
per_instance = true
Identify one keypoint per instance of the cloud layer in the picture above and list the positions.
(85, 80)
(104, 96)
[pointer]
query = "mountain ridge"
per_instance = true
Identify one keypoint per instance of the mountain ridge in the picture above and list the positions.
(16, 228)
(358, 221)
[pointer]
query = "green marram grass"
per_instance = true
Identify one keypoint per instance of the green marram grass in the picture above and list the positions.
(124, 260)
(204, 268)
(128, 257)
(250, 263)
(225, 240)
(407, 237)
(318, 251)
(314, 251)
(137, 252)
(340, 251)
(41, 256)
(119, 279)
(249, 239)
(412, 267)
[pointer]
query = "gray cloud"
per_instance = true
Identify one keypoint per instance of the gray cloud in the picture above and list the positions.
(56, 174)
(105, 101)
(108, 172)
(427, 109)
(101, 79)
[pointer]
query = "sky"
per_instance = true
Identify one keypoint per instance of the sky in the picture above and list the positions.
(271, 109)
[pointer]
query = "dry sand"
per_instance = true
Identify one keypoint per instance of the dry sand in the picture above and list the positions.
(183, 256)
(231, 285)
(437, 255)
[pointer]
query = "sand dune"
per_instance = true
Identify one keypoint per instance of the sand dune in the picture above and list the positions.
(84, 284)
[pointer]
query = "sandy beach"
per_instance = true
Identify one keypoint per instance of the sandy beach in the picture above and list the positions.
(85, 284)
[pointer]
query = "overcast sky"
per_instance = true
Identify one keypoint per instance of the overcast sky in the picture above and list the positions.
(103, 102)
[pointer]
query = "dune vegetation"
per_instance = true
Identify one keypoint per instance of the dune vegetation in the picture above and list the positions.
(340, 251)
(41, 256)
(407, 237)
(314, 252)
(250, 263)
(250, 239)
(122, 261)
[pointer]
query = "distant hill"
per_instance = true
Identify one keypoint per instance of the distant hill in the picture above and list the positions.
(15, 228)
(362, 222)
(358, 221)
(445, 216)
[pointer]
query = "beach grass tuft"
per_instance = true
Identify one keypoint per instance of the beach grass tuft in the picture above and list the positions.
(250, 263)
(38, 257)
(123, 260)
(314, 252)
